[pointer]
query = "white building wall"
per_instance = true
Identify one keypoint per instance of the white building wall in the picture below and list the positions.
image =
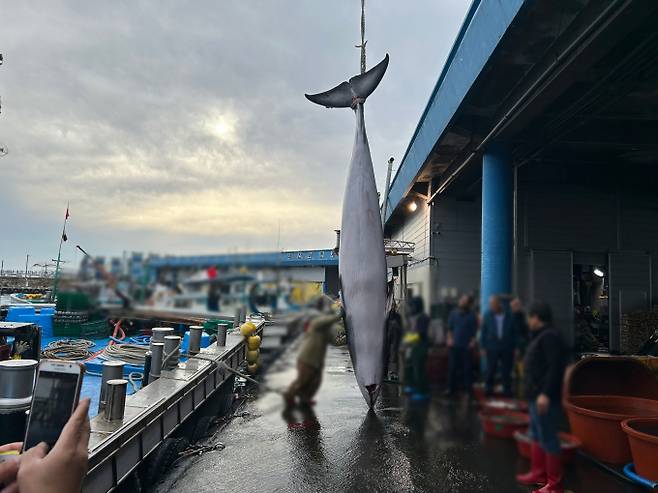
(416, 229)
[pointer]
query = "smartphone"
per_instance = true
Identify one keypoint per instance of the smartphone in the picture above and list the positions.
(55, 397)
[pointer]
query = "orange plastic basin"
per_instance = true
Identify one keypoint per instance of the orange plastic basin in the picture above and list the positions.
(643, 439)
(503, 425)
(596, 420)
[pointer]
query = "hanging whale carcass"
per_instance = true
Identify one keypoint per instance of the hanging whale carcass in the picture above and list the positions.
(362, 260)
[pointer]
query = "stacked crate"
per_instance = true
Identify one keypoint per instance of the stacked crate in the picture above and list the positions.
(636, 328)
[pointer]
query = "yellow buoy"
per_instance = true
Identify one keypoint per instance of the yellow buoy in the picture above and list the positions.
(253, 342)
(247, 329)
(252, 368)
(252, 356)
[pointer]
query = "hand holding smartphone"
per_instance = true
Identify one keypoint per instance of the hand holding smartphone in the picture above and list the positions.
(55, 397)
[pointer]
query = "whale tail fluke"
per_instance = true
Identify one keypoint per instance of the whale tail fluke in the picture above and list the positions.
(357, 89)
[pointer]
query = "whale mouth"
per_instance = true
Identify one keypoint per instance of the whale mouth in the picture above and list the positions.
(373, 392)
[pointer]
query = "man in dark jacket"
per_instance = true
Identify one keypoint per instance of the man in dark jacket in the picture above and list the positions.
(462, 327)
(544, 364)
(520, 324)
(498, 341)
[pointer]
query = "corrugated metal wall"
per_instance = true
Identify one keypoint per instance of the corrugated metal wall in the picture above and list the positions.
(554, 270)
(416, 229)
(456, 246)
(557, 222)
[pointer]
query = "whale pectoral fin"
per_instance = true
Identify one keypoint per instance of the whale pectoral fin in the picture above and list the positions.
(339, 97)
(363, 85)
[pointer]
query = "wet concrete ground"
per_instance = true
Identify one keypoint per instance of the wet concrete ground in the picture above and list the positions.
(343, 447)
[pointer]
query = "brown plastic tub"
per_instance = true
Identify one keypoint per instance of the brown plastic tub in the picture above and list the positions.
(613, 375)
(601, 392)
(643, 439)
(596, 420)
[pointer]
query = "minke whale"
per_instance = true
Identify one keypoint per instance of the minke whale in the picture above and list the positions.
(362, 259)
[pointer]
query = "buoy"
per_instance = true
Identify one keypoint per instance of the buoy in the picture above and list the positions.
(247, 329)
(252, 368)
(253, 343)
(252, 356)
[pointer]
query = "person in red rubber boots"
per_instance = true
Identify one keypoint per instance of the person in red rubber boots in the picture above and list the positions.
(544, 365)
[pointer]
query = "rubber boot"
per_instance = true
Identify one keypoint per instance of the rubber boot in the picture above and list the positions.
(554, 473)
(537, 472)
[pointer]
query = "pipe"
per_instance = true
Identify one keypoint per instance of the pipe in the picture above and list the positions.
(236, 318)
(157, 353)
(147, 368)
(509, 116)
(194, 346)
(158, 333)
(222, 330)
(386, 190)
(116, 399)
(171, 352)
(629, 471)
(112, 370)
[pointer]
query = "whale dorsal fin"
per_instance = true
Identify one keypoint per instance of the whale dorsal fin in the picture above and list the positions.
(359, 86)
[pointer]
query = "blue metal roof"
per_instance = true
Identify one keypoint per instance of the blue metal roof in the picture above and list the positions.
(483, 27)
(297, 258)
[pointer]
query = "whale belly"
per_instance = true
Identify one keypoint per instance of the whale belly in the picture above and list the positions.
(362, 269)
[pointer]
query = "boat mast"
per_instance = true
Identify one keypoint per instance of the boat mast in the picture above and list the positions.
(62, 239)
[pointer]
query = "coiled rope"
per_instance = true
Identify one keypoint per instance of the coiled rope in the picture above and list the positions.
(132, 354)
(68, 349)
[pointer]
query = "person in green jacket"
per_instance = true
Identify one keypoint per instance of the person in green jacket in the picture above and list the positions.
(317, 336)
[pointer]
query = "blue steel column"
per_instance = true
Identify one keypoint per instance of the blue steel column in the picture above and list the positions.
(497, 223)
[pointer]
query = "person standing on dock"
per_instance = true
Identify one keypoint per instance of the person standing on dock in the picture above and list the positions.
(310, 360)
(462, 327)
(416, 341)
(520, 324)
(544, 364)
(498, 341)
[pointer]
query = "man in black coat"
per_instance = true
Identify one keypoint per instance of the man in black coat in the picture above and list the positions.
(544, 365)
(498, 341)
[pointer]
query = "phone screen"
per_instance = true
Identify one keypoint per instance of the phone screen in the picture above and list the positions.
(52, 405)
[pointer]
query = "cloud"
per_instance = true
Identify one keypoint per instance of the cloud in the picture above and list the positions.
(182, 127)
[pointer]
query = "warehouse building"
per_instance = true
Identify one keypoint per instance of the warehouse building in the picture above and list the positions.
(533, 168)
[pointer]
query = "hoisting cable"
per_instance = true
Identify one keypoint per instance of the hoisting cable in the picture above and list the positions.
(363, 37)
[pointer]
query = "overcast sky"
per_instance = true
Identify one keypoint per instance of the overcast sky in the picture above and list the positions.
(182, 127)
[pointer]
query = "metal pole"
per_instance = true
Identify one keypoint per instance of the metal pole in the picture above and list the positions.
(59, 254)
(388, 185)
(171, 345)
(157, 350)
(194, 346)
(116, 399)
(403, 282)
(112, 370)
(222, 329)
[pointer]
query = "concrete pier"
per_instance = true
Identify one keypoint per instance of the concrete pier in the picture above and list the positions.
(340, 447)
